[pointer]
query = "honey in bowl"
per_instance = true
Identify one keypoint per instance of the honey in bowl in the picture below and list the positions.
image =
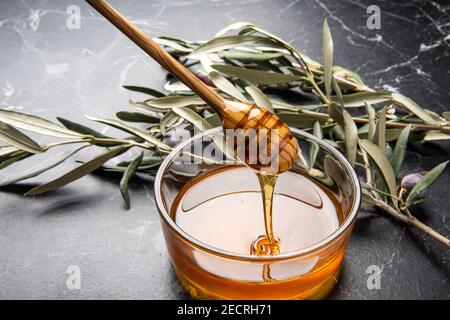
(223, 209)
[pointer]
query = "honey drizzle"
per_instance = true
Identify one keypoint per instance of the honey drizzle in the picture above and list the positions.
(267, 244)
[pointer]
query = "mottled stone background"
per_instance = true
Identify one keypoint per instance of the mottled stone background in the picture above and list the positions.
(49, 70)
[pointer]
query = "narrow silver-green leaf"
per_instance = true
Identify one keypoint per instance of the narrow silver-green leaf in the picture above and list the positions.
(260, 98)
(147, 161)
(371, 116)
(255, 76)
(232, 26)
(425, 182)
(250, 56)
(35, 124)
(145, 90)
(380, 131)
(78, 172)
(434, 135)
(9, 155)
(212, 119)
(81, 128)
(136, 117)
(351, 137)
(280, 104)
(133, 130)
(228, 42)
(166, 103)
(314, 149)
(400, 148)
(192, 117)
(338, 91)
(167, 121)
(413, 107)
(38, 172)
(175, 45)
(176, 86)
(201, 124)
(226, 86)
(299, 120)
(127, 175)
(327, 51)
(336, 114)
(15, 138)
(359, 99)
(384, 167)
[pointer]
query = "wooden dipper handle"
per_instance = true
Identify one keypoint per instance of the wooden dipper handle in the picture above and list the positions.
(159, 54)
(241, 116)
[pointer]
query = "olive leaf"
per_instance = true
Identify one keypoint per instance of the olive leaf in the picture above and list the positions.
(425, 182)
(398, 154)
(298, 120)
(383, 165)
(192, 117)
(366, 200)
(203, 125)
(337, 90)
(212, 119)
(260, 98)
(228, 42)
(336, 114)
(127, 175)
(250, 56)
(82, 129)
(327, 51)
(173, 44)
(380, 131)
(232, 26)
(412, 106)
(359, 99)
(40, 171)
(446, 115)
(314, 149)
(176, 86)
(371, 116)
(351, 137)
(226, 86)
(168, 120)
(79, 172)
(9, 155)
(35, 124)
(133, 130)
(15, 138)
(255, 76)
(434, 135)
(147, 161)
(279, 104)
(149, 91)
(136, 117)
(166, 103)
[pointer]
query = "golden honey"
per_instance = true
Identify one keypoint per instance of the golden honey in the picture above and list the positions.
(223, 210)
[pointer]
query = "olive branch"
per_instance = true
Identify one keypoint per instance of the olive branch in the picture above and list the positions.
(249, 64)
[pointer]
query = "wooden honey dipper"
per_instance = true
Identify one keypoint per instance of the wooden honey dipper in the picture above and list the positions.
(234, 114)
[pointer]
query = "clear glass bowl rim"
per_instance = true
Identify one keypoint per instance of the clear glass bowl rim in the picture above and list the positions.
(247, 257)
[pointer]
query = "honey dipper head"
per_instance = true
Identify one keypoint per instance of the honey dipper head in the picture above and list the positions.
(259, 138)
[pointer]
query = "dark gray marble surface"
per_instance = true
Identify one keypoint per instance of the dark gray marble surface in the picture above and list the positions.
(49, 70)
